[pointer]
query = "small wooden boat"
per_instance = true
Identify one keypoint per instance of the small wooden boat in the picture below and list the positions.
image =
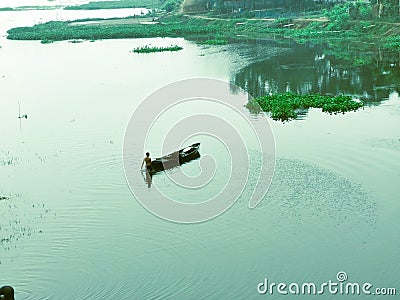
(176, 158)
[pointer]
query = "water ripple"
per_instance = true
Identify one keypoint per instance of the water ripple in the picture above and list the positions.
(313, 191)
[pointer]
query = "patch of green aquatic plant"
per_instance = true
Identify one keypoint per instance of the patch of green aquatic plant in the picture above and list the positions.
(8, 160)
(86, 20)
(149, 49)
(215, 42)
(57, 31)
(283, 106)
(113, 4)
(46, 41)
(18, 218)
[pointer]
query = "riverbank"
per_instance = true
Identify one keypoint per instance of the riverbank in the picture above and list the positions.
(384, 33)
(114, 4)
(22, 8)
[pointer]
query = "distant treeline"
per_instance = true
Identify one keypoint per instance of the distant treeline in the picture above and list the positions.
(115, 4)
(362, 8)
(167, 5)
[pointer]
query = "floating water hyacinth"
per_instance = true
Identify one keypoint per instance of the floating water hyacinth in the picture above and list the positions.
(149, 49)
(283, 106)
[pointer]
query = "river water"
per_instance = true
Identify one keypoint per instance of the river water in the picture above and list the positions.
(71, 228)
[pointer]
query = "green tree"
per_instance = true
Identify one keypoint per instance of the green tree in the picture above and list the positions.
(387, 8)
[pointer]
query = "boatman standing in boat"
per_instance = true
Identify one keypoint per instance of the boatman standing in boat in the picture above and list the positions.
(147, 160)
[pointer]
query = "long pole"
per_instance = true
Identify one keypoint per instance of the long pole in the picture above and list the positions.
(19, 117)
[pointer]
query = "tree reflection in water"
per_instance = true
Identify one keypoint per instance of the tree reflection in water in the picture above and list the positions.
(370, 74)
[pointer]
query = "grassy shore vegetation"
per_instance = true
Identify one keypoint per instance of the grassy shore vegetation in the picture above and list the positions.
(115, 4)
(352, 20)
(283, 106)
(150, 49)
